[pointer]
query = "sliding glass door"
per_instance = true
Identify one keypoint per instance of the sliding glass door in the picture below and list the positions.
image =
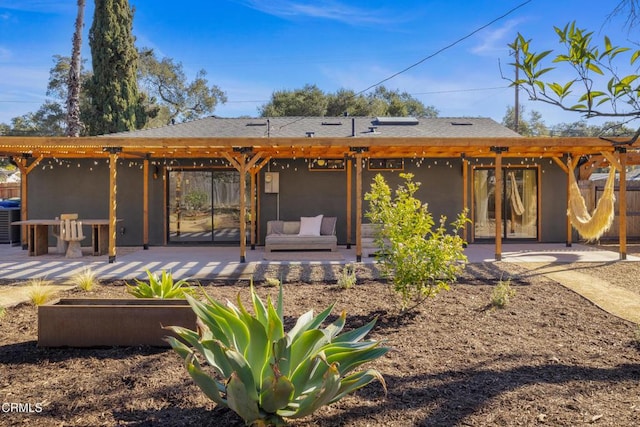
(519, 207)
(204, 206)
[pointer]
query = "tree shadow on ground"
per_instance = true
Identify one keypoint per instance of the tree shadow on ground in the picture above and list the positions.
(455, 395)
(448, 397)
(28, 352)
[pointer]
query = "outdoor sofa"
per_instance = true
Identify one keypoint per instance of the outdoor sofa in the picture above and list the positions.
(309, 233)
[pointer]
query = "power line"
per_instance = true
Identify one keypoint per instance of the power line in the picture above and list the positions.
(449, 46)
(445, 48)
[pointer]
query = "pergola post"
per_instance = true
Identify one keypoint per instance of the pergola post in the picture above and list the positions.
(498, 200)
(25, 170)
(254, 170)
(358, 158)
(243, 208)
(145, 203)
(570, 169)
(349, 201)
(465, 195)
(622, 202)
(252, 209)
(243, 164)
(113, 171)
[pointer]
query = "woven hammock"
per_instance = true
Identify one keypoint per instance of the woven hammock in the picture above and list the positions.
(591, 226)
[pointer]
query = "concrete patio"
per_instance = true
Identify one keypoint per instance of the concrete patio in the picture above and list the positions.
(207, 262)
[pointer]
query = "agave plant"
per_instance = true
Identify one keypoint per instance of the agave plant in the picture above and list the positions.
(160, 287)
(266, 375)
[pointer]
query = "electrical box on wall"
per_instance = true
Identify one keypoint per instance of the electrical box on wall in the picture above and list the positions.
(271, 182)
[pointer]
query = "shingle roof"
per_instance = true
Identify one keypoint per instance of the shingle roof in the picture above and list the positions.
(296, 127)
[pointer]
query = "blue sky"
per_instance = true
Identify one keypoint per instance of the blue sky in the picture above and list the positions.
(251, 48)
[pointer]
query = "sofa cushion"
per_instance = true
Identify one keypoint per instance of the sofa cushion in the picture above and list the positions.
(328, 227)
(310, 226)
(275, 227)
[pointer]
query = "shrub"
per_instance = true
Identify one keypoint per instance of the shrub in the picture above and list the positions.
(3, 312)
(347, 277)
(272, 281)
(502, 293)
(40, 291)
(419, 259)
(266, 375)
(86, 279)
(160, 287)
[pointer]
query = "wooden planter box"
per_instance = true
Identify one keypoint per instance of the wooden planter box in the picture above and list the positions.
(111, 322)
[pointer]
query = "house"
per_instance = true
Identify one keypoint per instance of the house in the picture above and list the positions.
(181, 184)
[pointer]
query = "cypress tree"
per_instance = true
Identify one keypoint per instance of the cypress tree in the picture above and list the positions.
(116, 103)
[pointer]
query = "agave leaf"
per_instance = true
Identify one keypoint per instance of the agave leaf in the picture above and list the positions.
(241, 401)
(336, 348)
(190, 336)
(259, 308)
(242, 369)
(336, 327)
(306, 323)
(280, 303)
(208, 385)
(358, 380)
(352, 359)
(306, 345)
(257, 352)
(213, 318)
(308, 374)
(281, 354)
(356, 334)
(330, 387)
(276, 393)
(183, 350)
(301, 325)
(213, 352)
(275, 328)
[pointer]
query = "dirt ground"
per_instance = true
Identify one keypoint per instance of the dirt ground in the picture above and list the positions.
(549, 358)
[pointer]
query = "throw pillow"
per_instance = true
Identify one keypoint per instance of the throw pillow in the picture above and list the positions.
(310, 226)
(328, 227)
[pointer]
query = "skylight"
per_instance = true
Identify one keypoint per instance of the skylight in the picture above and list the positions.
(396, 121)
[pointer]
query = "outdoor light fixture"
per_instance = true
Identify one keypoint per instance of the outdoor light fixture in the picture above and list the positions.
(243, 150)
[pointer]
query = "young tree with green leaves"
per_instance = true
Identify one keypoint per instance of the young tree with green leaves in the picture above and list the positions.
(116, 103)
(601, 86)
(418, 256)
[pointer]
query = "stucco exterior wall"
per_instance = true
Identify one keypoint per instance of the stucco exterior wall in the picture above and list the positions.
(82, 186)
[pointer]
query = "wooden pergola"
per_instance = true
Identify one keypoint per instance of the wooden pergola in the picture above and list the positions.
(250, 155)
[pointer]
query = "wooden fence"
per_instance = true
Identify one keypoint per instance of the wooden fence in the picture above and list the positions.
(9, 190)
(592, 191)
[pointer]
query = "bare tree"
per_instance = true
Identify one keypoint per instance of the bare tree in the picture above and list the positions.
(74, 125)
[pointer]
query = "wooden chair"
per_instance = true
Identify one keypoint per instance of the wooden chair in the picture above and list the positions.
(61, 245)
(71, 232)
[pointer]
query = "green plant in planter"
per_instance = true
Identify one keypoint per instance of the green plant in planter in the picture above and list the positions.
(160, 287)
(266, 375)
